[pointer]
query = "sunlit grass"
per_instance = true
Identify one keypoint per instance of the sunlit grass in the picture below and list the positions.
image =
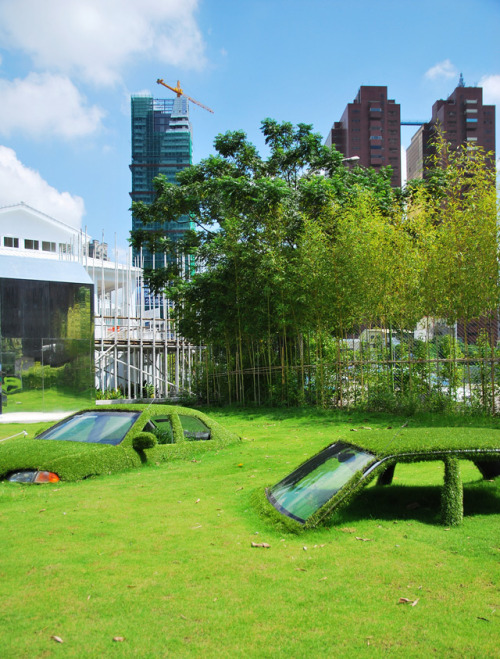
(162, 557)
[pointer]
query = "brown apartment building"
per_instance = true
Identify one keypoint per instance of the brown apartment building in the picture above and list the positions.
(463, 119)
(370, 130)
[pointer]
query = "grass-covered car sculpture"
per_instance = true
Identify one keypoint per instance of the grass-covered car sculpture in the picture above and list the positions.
(326, 482)
(108, 439)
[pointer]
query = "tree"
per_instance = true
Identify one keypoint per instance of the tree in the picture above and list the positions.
(296, 250)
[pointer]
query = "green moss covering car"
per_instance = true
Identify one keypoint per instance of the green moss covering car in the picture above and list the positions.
(108, 439)
(325, 483)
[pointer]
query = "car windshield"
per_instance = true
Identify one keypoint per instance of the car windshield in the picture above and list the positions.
(309, 487)
(93, 427)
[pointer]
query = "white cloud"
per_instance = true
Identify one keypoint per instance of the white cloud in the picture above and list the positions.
(96, 39)
(444, 69)
(19, 183)
(491, 89)
(45, 104)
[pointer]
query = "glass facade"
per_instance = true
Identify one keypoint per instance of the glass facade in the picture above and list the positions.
(46, 345)
(161, 144)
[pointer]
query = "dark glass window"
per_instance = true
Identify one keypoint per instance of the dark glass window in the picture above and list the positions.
(48, 247)
(30, 244)
(47, 338)
(10, 242)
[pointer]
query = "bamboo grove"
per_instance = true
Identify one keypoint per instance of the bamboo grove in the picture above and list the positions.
(312, 275)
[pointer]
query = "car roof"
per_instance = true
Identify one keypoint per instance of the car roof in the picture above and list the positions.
(396, 442)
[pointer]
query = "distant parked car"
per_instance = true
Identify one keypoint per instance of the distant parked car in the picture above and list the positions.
(102, 440)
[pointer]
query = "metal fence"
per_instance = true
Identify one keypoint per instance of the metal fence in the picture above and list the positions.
(435, 366)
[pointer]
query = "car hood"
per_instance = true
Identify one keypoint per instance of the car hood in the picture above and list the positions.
(69, 460)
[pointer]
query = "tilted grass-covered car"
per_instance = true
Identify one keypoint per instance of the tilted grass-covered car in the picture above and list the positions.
(107, 439)
(325, 483)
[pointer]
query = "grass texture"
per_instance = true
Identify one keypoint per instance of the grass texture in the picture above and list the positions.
(161, 558)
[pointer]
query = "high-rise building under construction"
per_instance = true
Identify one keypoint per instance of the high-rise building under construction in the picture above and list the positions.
(161, 144)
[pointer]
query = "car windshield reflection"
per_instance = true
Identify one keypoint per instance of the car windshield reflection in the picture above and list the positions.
(309, 487)
(93, 427)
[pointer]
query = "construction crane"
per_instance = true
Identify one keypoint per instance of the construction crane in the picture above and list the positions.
(179, 92)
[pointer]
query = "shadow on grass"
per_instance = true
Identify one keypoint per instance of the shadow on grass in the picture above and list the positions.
(417, 503)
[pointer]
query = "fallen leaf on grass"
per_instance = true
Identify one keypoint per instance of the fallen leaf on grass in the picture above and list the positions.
(364, 539)
(57, 639)
(118, 639)
(261, 544)
(481, 618)
(354, 430)
(197, 500)
(323, 579)
(405, 600)
(300, 569)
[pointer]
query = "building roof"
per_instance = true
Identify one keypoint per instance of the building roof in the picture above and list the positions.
(13, 267)
(26, 208)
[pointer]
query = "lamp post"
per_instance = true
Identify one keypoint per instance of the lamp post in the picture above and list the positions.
(351, 159)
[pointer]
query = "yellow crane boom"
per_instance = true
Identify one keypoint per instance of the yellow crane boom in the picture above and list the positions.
(179, 92)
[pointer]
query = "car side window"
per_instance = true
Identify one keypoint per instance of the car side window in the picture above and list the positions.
(162, 429)
(194, 428)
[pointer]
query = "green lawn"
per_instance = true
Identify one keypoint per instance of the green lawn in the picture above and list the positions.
(162, 558)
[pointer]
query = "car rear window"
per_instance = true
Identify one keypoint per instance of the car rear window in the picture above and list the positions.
(194, 428)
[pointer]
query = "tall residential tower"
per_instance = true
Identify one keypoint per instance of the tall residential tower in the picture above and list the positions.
(370, 130)
(161, 144)
(463, 119)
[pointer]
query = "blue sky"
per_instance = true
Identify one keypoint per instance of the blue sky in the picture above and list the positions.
(68, 68)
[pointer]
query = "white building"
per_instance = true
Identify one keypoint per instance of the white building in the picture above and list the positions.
(136, 343)
(28, 233)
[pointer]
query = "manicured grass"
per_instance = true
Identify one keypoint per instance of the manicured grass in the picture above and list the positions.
(162, 557)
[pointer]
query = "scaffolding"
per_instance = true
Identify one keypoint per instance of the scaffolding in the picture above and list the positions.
(138, 350)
